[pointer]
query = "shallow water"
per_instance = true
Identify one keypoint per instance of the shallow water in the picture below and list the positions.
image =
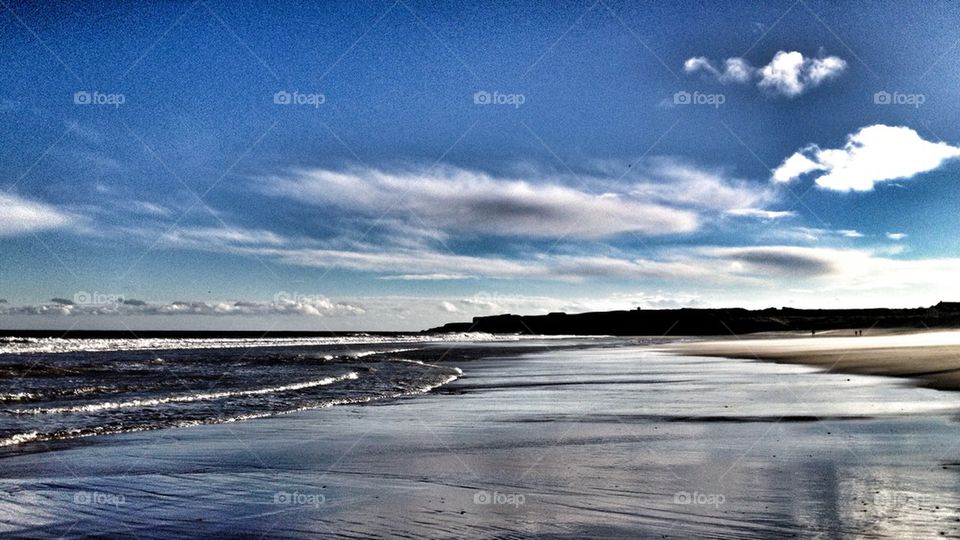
(96, 388)
(614, 440)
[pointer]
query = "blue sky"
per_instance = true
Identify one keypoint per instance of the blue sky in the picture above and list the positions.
(395, 165)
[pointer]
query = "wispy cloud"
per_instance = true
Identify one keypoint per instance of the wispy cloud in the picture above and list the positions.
(22, 216)
(874, 154)
(663, 197)
(788, 73)
(461, 201)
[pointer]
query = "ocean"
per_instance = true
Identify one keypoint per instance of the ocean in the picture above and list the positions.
(57, 389)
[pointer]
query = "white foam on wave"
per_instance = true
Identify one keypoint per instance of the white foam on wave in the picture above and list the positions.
(34, 436)
(62, 345)
(17, 396)
(422, 363)
(20, 438)
(108, 405)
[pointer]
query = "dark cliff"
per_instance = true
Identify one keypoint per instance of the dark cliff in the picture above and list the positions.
(703, 322)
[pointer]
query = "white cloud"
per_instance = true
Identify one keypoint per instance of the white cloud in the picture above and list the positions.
(761, 214)
(672, 182)
(794, 166)
(700, 63)
(896, 236)
(418, 207)
(749, 276)
(311, 306)
(462, 201)
(874, 154)
(788, 73)
(736, 70)
(149, 208)
(21, 216)
(853, 275)
(202, 236)
(425, 277)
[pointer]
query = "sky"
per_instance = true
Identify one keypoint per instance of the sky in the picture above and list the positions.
(394, 165)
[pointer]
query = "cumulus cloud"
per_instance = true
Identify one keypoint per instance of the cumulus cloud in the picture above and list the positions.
(21, 216)
(735, 70)
(794, 166)
(874, 154)
(788, 73)
(311, 306)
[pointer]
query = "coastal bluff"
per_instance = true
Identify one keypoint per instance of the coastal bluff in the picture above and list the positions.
(710, 322)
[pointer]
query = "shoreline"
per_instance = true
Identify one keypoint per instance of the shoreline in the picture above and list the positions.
(930, 359)
(616, 441)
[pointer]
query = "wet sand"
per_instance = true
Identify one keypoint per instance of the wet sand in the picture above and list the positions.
(930, 358)
(613, 441)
